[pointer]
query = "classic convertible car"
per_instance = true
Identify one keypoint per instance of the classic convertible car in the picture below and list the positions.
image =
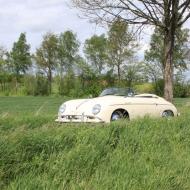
(114, 104)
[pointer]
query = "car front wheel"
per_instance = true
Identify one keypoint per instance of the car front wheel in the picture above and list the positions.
(167, 114)
(119, 114)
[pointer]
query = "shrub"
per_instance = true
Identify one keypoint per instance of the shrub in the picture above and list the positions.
(29, 83)
(181, 90)
(159, 87)
(41, 85)
(144, 88)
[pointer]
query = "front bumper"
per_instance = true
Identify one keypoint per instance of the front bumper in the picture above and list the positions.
(79, 119)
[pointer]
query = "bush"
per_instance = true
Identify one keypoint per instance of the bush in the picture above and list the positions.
(144, 88)
(159, 87)
(41, 85)
(66, 84)
(29, 83)
(181, 90)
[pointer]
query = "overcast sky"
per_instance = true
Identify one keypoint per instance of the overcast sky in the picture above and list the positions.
(37, 17)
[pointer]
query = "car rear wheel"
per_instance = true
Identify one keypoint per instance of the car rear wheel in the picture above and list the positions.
(119, 114)
(167, 114)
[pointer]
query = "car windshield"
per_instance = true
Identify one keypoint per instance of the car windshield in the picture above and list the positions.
(118, 92)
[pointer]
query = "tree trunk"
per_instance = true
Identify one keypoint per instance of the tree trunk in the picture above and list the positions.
(168, 65)
(119, 74)
(49, 80)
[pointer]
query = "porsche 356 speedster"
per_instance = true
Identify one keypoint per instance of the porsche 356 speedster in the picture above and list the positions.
(114, 104)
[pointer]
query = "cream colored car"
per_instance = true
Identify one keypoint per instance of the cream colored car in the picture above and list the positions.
(114, 104)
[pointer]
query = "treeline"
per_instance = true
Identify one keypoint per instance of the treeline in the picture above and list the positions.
(59, 67)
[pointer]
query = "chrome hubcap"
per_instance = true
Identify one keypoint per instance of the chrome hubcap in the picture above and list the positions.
(167, 114)
(116, 116)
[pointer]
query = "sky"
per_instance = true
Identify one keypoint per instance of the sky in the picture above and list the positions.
(36, 17)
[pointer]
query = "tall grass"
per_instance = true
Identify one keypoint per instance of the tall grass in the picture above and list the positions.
(36, 153)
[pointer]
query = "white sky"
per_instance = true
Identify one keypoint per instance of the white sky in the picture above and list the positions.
(37, 17)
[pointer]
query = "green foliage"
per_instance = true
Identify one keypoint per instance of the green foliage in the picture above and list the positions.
(181, 90)
(37, 153)
(5, 80)
(41, 85)
(159, 87)
(121, 44)
(95, 49)
(3, 59)
(67, 84)
(181, 86)
(92, 88)
(109, 78)
(29, 83)
(20, 57)
(154, 59)
(133, 73)
(68, 47)
(109, 62)
(144, 88)
(46, 56)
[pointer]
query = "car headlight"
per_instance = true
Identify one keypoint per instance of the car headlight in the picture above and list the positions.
(62, 108)
(96, 109)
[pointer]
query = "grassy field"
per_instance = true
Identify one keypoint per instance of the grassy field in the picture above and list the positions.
(37, 153)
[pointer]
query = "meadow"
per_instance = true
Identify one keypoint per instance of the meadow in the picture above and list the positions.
(37, 153)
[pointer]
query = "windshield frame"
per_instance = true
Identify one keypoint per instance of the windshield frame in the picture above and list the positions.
(125, 92)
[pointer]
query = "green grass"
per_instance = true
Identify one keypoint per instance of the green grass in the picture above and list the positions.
(30, 105)
(37, 153)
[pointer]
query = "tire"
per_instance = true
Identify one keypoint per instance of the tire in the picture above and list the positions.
(167, 114)
(117, 115)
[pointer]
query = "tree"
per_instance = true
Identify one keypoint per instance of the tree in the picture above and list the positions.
(20, 57)
(3, 55)
(154, 56)
(133, 73)
(154, 60)
(46, 56)
(95, 49)
(168, 15)
(3, 67)
(121, 45)
(68, 47)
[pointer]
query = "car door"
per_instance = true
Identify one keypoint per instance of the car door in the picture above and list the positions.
(142, 106)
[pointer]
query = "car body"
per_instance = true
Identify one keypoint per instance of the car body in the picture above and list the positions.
(114, 104)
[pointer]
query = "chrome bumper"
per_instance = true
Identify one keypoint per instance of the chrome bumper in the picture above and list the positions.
(78, 119)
